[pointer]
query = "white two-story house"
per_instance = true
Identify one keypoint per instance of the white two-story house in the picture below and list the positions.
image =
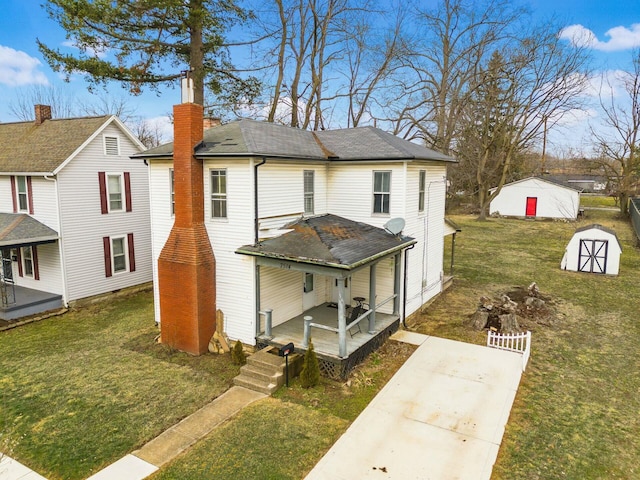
(311, 224)
(74, 212)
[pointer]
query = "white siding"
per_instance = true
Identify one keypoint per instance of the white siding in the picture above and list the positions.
(553, 201)
(48, 269)
(83, 225)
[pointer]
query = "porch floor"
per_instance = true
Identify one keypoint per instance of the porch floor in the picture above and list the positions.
(28, 302)
(325, 343)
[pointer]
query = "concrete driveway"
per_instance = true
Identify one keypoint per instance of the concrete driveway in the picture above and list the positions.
(440, 417)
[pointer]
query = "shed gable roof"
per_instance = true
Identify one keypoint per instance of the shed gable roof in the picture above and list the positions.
(30, 148)
(254, 138)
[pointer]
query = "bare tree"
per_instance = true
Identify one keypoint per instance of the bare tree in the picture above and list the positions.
(62, 106)
(617, 144)
(522, 89)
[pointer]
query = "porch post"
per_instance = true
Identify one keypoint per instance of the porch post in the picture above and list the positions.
(372, 298)
(342, 321)
(396, 283)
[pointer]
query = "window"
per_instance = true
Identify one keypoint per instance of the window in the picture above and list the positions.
(381, 191)
(308, 282)
(27, 258)
(115, 192)
(27, 261)
(111, 146)
(173, 194)
(119, 254)
(219, 193)
(421, 190)
(22, 195)
(308, 191)
(114, 188)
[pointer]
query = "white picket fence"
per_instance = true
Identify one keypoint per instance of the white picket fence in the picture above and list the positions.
(515, 342)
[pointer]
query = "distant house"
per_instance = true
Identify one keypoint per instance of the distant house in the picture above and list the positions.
(74, 211)
(593, 249)
(536, 197)
(301, 224)
(585, 183)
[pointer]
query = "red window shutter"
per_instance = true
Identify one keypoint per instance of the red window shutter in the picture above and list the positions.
(34, 259)
(30, 195)
(102, 178)
(127, 191)
(19, 255)
(132, 255)
(106, 241)
(14, 194)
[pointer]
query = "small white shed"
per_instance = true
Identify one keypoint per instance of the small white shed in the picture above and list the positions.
(593, 249)
(535, 197)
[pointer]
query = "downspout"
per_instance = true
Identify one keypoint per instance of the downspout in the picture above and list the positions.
(256, 228)
(63, 270)
(404, 285)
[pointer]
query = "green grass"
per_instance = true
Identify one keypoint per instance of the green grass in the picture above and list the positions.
(82, 390)
(597, 201)
(576, 412)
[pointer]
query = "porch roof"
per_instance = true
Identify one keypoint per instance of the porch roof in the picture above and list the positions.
(18, 229)
(330, 241)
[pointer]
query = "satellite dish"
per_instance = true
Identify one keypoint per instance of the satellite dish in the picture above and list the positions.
(394, 226)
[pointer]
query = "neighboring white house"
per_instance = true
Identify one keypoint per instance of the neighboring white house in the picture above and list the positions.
(536, 198)
(74, 211)
(296, 220)
(593, 249)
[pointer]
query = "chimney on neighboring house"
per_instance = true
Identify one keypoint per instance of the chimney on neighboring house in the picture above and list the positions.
(186, 266)
(43, 112)
(210, 122)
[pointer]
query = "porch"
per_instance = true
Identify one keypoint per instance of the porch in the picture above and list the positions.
(323, 331)
(18, 302)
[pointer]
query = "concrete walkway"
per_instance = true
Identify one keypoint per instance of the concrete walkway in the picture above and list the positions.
(440, 417)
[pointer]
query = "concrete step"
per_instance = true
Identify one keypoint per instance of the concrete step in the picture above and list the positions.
(265, 359)
(261, 373)
(256, 386)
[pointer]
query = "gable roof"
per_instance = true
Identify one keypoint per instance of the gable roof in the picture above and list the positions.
(29, 148)
(597, 226)
(329, 240)
(254, 138)
(21, 229)
(538, 179)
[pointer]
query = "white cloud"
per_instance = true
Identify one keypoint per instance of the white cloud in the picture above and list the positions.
(18, 68)
(620, 38)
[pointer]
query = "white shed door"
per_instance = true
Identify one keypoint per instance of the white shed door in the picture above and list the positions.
(592, 257)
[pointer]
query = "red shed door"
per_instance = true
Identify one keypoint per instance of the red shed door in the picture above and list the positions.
(532, 204)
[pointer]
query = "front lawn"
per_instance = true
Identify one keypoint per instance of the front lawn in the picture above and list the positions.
(84, 389)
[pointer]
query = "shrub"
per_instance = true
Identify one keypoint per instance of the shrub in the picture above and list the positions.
(237, 354)
(310, 374)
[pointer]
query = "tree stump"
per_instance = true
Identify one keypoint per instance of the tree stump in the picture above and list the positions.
(479, 320)
(509, 323)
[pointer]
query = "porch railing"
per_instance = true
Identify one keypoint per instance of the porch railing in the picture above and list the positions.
(516, 342)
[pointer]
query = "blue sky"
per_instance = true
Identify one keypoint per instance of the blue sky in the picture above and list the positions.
(612, 27)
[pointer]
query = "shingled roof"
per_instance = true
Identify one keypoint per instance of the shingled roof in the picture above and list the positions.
(29, 148)
(20, 229)
(330, 240)
(253, 138)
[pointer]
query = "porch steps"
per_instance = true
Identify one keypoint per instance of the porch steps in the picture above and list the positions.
(264, 371)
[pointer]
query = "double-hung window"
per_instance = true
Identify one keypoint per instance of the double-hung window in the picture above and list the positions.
(309, 190)
(119, 254)
(114, 187)
(27, 261)
(381, 191)
(23, 195)
(421, 190)
(115, 192)
(219, 193)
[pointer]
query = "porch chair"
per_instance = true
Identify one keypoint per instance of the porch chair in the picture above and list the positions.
(355, 313)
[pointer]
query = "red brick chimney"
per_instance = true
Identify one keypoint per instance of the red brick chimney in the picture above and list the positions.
(43, 112)
(186, 267)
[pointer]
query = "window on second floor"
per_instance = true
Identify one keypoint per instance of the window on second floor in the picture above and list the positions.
(381, 191)
(115, 192)
(22, 195)
(421, 190)
(219, 193)
(309, 190)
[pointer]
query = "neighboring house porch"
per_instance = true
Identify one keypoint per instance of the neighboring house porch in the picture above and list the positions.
(331, 267)
(20, 237)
